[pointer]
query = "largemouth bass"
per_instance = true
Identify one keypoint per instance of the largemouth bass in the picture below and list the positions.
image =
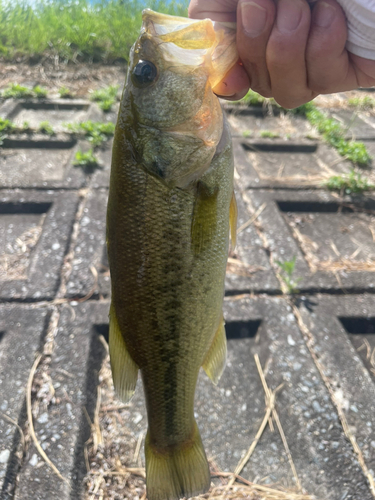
(170, 208)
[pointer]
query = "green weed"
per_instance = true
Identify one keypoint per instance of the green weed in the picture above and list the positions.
(6, 126)
(26, 127)
(106, 97)
(88, 161)
(269, 134)
(16, 91)
(251, 99)
(334, 133)
(353, 182)
(64, 92)
(286, 274)
(46, 128)
(365, 102)
(96, 132)
(246, 133)
(40, 92)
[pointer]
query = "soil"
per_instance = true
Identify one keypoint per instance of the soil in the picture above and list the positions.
(79, 78)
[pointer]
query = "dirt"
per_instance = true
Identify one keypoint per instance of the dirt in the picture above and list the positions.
(79, 78)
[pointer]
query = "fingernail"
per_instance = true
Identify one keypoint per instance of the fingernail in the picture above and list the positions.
(323, 15)
(253, 18)
(289, 14)
(221, 90)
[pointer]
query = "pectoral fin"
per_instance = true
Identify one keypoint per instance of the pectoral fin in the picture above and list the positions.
(124, 369)
(214, 362)
(204, 222)
(233, 212)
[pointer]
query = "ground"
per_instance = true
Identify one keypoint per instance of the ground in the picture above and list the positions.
(299, 307)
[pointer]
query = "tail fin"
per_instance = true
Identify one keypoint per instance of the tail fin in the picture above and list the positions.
(180, 471)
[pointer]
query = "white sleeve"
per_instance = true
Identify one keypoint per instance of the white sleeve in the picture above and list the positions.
(360, 16)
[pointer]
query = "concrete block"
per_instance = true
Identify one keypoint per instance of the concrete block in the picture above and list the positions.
(332, 243)
(22, 331)
(35, 228)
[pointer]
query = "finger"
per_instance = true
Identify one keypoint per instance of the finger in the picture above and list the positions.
(234, 85)
(286, 53)
(255, 19)
(364, 70)
(328, 62)
(224, 11)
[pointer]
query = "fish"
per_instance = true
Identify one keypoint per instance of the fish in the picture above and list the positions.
(171, 214)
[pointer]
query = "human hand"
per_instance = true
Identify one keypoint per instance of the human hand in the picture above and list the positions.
(289, 50)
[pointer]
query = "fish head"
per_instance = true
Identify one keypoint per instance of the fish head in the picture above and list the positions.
(169, 112)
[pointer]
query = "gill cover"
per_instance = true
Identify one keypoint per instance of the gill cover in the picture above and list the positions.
(194, 42)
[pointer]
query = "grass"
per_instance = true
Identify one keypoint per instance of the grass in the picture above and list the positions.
(353, 182)
(268, 134)
(286, 274)
(365, 102)
(96, 132)
(40, 92)
(88, 161)
(16, 91)
(251, 99)
(334, 133)
(26, 127)
(74, 30)
(6, 126)
(46, 128)
(331, 130)
(106, 97)
(65, 93)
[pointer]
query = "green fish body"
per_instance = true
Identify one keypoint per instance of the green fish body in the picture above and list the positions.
(170, 209)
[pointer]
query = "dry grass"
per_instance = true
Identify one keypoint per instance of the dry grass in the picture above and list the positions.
(14, 263)
(115, 469)
(370, 354)
(309, 248)
(310, 341)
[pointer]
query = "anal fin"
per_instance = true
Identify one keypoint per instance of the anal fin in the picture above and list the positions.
(233, 212)
(124, 369)
(216, 357)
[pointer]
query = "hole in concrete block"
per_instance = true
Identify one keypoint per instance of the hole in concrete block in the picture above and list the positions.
(21, 226)
(242, 329)
(34, 113)
(312, 206)
(332, 238)
(103, 330)
(361, 332)
(1, 335)
(358, 325)
(288, 163)
(280, 147)
(95, 361)
(25, 208)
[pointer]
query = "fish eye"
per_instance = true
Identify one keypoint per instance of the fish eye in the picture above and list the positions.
(144, 74)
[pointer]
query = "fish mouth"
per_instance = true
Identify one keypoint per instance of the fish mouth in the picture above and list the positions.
(188, 42)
